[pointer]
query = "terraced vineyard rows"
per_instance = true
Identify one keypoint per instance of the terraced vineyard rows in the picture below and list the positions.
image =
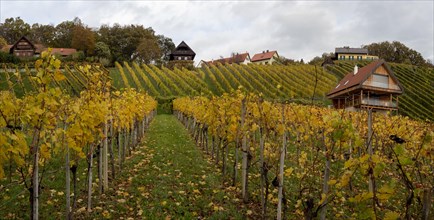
(418, 82)
(21, 81)
(273, 82)
(294, 82)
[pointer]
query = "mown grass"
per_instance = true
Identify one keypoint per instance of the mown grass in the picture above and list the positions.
(166, 177)
(174, 180)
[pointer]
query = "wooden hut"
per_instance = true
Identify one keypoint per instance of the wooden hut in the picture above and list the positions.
(182, 52)
(23, 48)
(373, 86)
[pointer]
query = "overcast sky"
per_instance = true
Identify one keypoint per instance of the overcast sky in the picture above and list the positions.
(296, 29)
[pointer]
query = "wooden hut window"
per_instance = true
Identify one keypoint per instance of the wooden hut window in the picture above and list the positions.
(380, 80)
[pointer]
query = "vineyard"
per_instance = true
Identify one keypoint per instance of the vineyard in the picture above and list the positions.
(310, 162)
(298, 82)
(295, 83)
(263, 145)
(43, 128)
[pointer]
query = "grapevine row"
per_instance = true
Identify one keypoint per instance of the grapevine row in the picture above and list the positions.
(48, 125)
(336, 164)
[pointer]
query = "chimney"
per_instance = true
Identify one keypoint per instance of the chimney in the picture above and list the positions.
(263, 51)
(267, 51)
(356, 69)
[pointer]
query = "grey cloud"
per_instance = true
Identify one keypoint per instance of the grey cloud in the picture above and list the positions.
(302, 29)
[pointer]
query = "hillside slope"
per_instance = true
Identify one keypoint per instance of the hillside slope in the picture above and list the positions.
(295, 82)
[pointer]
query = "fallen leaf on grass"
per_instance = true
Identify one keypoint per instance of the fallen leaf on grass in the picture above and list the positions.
(106, 214)
(82, 209)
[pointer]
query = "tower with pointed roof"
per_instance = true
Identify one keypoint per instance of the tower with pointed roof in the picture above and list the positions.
(373, 87)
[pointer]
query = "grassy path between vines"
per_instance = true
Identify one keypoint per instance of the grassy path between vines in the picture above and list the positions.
(168, 177)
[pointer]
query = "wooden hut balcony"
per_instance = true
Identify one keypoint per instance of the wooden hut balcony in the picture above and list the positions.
(379, 103)
(368, 100)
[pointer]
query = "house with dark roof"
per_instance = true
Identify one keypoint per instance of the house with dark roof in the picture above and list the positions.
(266, 57)
(24, 48)
(238, 58)
(182, 52)
(371, 87)
(347, 53)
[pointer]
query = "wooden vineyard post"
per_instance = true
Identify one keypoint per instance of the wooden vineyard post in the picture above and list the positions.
(245, 154)
(105, 158)
(67, 177)
(281, 167)
(263, 173)
(371, 171)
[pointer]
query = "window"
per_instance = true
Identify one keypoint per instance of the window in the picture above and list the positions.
(359, 57)
(380, 80)
(185, 58)
(179, 58)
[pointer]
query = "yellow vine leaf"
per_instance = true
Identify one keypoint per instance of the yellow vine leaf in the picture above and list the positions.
(391, 216)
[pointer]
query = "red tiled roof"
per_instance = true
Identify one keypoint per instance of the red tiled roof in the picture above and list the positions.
(63, 51)
(351, 80)
(263, 56)
(39, 48)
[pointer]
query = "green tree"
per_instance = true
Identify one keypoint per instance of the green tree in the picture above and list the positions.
(3, 42)
(102, 50)
(63, 34)
(123, 40)
(316, 61)
(43, 34)
(148, 51)
(83, 39)
(285, 61)
(13, 29)
(395, 52)
(166, 45)
(102, 53)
